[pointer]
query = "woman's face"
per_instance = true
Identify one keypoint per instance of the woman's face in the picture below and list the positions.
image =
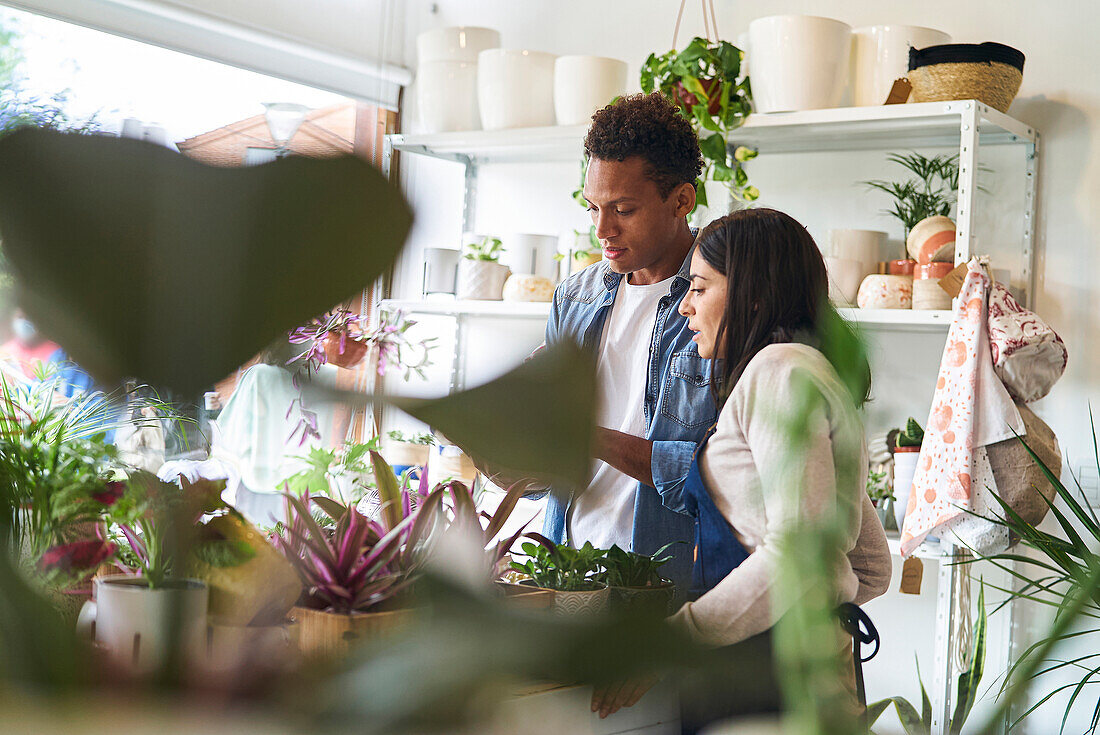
(704, 304)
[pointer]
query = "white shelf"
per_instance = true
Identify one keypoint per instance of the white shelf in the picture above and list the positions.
(926, 124)
(927, 550)
(452, 307)
(899, 318)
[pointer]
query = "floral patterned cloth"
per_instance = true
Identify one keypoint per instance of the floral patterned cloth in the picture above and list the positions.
(971, 409)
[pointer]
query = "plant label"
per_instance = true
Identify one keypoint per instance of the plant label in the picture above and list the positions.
(899, 92)
(912, 571)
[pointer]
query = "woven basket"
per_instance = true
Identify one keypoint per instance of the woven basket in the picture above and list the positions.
(988, 72)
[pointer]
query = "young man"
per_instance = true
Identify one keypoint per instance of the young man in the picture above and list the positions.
(655, 401)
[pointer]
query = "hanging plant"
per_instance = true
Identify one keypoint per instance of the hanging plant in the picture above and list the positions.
(705, 83)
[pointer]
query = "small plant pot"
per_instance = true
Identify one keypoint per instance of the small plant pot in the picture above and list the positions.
(352, 354)
(686, 100)
(132, 622)
(649, 601)
(481, 280)
(905, 467)
(323, 634)
(578, 603)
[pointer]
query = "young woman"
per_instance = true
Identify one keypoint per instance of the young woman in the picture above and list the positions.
(787, 452)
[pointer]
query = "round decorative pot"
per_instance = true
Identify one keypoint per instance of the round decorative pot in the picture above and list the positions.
(927, 293)
(901, 267)
(351, 355)
(905, 466)
(932, 239)
(648, 601)
(134, 623)
(799, 62)
(481, 280)
(456, 43)
(527, 287)
(446, 96)
(584, 84)
(885, 292)
(515, 88)
(330, 634)
(574, 603)
(880, 55)
(988, 72)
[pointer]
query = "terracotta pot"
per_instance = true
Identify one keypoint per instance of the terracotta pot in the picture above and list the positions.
(329, 634)
(901, 267)
(525, 597)
(352, 355)
(686, 100)
(650, 601)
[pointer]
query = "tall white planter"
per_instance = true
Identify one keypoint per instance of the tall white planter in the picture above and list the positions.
(880, 54)
(526, 253)
(456, 43)
(799, 62)
(133, 622)
(481, 280)
(446, 96)
(515, 88)
(584, 84)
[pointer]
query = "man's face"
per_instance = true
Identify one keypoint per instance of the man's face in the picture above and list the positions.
(635, 226)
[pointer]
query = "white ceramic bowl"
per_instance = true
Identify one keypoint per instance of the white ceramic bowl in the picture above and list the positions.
(799, 62)
(446, 96)
(584, 84)
(458, 43)
(515, 88)
(880, 54)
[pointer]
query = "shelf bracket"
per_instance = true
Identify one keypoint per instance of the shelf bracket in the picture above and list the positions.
(1031, 178)
(968, 178)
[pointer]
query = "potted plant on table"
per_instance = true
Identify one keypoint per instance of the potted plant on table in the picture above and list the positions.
(573, 575)
(635, 580)
(706, 83)
(481, 275)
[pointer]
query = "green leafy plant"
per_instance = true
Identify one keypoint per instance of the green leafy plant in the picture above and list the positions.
(425, 439)
(966, 692)
(488, 249)
(705, 82)
(932, 192)
(630, 569)
(592, 246)
(559, 566)
(912, 435)
(878, 487)
(344, 474)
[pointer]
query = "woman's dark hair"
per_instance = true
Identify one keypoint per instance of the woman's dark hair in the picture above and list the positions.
(777, 291)
(648, 126)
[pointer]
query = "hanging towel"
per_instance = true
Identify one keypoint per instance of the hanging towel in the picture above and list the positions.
(970, 410)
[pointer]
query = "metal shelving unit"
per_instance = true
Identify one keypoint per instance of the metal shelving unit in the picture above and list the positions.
(966, 124)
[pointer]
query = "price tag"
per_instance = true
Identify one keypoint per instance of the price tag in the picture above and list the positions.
(912, 571)
(952, 283)
(899, 93)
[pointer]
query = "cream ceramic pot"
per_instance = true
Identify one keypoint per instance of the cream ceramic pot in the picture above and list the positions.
(845, 276)
(799, 62)
(862, 245)
(880, 54)
(515, 88)
(584, 84)
(132, 621)
(457, 43)
(527, 253)
(446, 96)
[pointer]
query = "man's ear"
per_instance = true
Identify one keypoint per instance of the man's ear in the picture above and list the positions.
(684, 197)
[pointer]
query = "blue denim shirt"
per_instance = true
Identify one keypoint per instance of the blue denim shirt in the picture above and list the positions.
(678, 408)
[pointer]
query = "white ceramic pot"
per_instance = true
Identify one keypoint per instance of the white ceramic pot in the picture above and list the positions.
(880, 55)
(862, 245)
(481, 280)
(446, 96)
(845, 276)
(132, 621)
(799, 62)
(458, 43)
(905, 467)
(440, 270)
(525, 253)
(515, 88)
(584, 84)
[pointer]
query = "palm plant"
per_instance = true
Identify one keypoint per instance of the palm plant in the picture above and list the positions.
(933, 192)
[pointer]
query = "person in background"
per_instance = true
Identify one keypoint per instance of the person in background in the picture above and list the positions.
(29, 353)
(654, 397)
(757, 303)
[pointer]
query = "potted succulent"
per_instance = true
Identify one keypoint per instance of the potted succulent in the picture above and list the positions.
(706, 83)
(481, 275)
(906, 453)
(573, 575)
(635, 581)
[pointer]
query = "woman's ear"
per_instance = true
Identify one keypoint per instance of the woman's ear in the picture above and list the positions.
(685, 199)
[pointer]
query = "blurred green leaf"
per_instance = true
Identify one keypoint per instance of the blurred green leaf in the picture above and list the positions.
(141, 262)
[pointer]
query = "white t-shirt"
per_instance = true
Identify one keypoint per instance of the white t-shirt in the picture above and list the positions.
(604, 513)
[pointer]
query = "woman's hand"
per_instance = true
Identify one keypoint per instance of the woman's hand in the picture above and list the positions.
(608, 700)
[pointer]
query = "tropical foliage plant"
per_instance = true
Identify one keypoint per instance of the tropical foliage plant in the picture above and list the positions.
(705, 82)
(488, 249)
(344, 474)
(559, 566)
(930, 191)
(631, 569)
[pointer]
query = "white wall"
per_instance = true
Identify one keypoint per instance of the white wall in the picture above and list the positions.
(1060, 97)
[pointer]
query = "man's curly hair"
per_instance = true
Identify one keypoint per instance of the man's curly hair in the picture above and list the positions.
(649, 126)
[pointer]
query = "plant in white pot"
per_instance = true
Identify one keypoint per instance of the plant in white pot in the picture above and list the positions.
(906, 453)
(571, 573)
(480, 274)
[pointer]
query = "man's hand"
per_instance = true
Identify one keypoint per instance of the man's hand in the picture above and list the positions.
(608, 700)
(631, 455)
